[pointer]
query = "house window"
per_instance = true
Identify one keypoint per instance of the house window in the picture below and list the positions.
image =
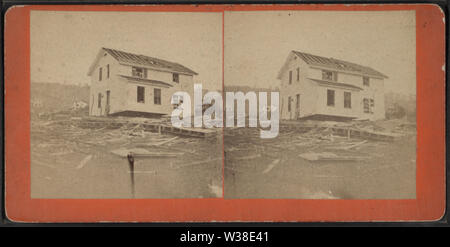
(140, 94)
(330, 97)
(369, 105)
(372, 105)
(290, 76)
(298, 74)
(177, 100)
(99, 104)
(366, 81)
(100, 74)
(329, 75)
(157, 98)
(366, 105)
(347, 100)
(289, 104)
(176, 78)
(107, 71)
(139, 72)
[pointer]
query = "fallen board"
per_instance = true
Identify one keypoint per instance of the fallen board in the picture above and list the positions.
(142, 153)
(325, 156)
(157, 126)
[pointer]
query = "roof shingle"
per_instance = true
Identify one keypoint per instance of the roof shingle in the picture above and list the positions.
(142, 60)
(337, 64)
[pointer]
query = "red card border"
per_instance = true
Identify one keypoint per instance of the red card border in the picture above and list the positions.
(430, 178)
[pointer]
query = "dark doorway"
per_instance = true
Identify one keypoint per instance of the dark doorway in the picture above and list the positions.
(107, 107)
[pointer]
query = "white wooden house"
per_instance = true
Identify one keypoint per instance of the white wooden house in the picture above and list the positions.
(315, 87)
(130, 84)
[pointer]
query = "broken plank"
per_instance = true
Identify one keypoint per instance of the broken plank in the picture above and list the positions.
(248, 157)
(163, 142)
(341, 158)
(143, 153)
(271, 166)
(325, 156)
(197, 163)
(84, 162)
(352, 146)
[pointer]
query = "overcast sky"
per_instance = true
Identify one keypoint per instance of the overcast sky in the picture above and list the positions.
(65, 43)
(258, 43)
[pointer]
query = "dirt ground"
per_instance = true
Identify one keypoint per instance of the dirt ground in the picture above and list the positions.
(272, 168)
(72, 162)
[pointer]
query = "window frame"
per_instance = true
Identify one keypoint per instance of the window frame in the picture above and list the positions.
(366, 81)
(99, 100)
(290, 77)
(176, 77)
(333, 75)
(177, 98)
(142, 74)
(347, 101)
(289, 104)
(157, 100)
(333, 102)
(371, 105)
(140, 94)
(366, 105)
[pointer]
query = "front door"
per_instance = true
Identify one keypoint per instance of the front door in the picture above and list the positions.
(297, 107)
(107, 103)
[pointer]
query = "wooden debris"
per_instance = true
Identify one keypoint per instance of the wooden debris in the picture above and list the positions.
(143, 153)
(325, 156)
(197, 163)
(215, 190)
(163, 142)
(248, 157)
(84, 162)
(353, 145)
(271, 166)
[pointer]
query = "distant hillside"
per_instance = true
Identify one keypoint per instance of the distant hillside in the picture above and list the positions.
(53, 97)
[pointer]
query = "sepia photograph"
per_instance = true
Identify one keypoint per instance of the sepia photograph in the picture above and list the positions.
(102, 93)
(219, 113)
(322, 108)
(347, 104)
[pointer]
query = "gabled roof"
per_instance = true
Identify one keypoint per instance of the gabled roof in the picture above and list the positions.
(144, 61)
(337, 64)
